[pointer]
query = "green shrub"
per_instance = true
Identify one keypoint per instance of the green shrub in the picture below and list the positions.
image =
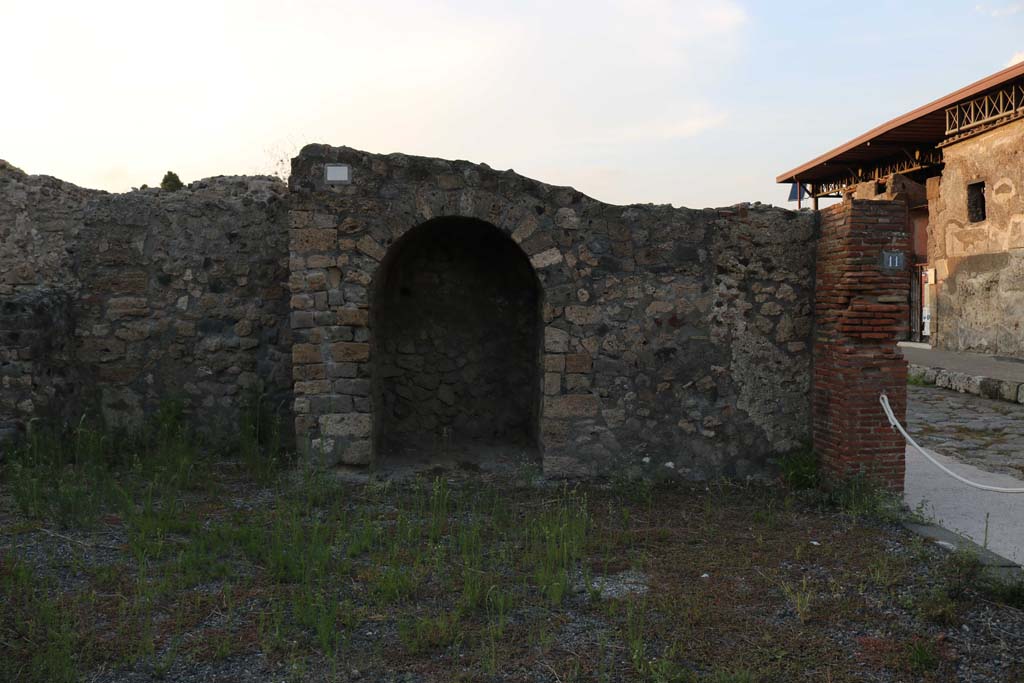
(171, 182)
(422, 634)
(862, 496)
(922, 656)
(800, 469)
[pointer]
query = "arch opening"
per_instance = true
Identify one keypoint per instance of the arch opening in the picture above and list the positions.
(456, 364)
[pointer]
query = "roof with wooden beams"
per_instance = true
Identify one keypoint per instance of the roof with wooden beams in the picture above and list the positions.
(914, 136)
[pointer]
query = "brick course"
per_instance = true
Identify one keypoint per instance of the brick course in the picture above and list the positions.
(861, 311)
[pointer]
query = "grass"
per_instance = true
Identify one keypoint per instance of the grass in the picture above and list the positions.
(800, 469)
(150, 554)
(918, 381)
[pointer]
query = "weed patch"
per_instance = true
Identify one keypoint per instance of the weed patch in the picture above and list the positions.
(170, 561)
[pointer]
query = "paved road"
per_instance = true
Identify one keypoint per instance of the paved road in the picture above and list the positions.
(993, 520)
(968, 363)
(982, 440)
(982, 432)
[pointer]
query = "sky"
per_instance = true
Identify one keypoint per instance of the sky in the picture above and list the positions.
(630, 101)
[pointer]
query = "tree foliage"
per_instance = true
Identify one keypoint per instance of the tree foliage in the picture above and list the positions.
(171, 182)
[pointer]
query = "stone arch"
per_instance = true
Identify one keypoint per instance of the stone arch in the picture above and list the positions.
(643, 308)
(455, 309)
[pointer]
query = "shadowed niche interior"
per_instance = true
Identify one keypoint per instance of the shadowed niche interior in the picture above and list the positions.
(456, 358)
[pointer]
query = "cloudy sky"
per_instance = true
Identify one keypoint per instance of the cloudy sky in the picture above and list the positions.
(688, 103)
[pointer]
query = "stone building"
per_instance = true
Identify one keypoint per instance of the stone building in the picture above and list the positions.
(958, 163)
(390, 307)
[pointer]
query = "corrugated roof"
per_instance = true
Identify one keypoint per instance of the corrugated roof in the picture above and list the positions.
(923, 126)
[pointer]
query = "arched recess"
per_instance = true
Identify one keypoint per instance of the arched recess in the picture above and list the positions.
(455, 310)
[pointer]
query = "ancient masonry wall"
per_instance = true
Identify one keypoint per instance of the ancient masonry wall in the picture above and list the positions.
(980, 265)
(36, 350)
(664, 341)
(861, 311)
(152, 295)
(672, 340)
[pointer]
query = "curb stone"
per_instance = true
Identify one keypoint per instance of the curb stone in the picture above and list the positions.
(988, 387)
(997, 565)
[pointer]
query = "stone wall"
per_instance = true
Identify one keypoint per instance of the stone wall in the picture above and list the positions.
(170, 294)
(432, 303)
(37, 375)
(673, 340)
(980, 265)
(40, 222)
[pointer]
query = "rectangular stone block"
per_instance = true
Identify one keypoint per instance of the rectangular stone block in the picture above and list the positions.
(319, 261)
(302, 319)
(308, 240)
(349, 424)
(126, 306)
(356, 317)
(575, 384)
(576, 405)
(335, 370)
(322, 405)
(554, 362)
(308, 372)
(306, 353)
(578, 362)
(121, 282)
(302, 302)
(313, 387)
(555, 340)
(325, 220)
(343, 352)
(300, 219)
(352, 387)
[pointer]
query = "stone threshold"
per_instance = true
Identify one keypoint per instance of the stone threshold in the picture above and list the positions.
(966, 383)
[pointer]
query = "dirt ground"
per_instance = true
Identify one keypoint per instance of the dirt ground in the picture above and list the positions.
(213, 570)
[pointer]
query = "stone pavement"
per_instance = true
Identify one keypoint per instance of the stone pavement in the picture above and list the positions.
(993, 520)
(980, 439)
(985, 433)
(972, 373)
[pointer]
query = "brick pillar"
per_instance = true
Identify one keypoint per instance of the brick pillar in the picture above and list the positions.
(861, 310)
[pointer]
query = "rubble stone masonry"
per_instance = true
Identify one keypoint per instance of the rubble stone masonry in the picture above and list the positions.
(428, 305)
(663, 340)
(145, 296)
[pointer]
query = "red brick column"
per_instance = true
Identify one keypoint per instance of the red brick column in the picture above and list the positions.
(861, 310)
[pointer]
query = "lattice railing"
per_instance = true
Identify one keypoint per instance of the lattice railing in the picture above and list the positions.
(1006, 102)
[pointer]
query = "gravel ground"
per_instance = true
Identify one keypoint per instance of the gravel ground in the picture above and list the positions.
(672, 584)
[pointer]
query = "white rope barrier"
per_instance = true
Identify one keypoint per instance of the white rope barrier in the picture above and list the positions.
(884, 400)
